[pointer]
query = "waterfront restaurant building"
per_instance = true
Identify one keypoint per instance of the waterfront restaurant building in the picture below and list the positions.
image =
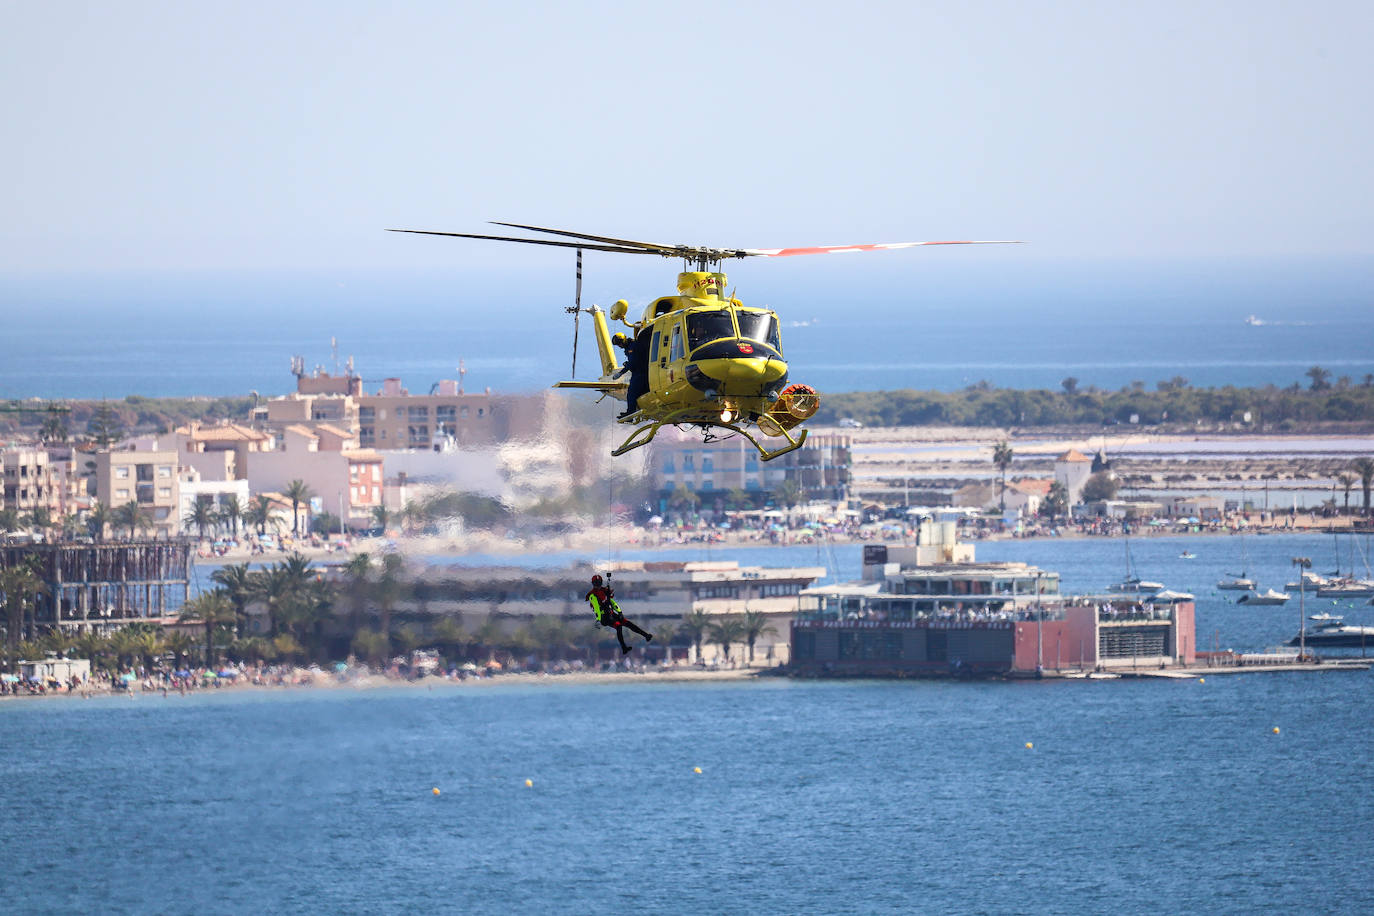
(955, 617)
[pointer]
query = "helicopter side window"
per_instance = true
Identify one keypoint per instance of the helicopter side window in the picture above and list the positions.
(653, 344)
(675, 352)
(704, 327)
(759, 326)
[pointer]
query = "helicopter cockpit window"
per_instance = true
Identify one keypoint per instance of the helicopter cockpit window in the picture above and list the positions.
(704, 327)
(759, 326)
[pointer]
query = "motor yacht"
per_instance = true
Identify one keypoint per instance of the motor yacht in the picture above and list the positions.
(1268, 596)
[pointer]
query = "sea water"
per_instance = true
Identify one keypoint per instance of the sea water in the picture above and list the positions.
(834, 797)
(880, 325)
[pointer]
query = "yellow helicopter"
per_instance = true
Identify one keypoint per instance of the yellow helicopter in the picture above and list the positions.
(699, 357)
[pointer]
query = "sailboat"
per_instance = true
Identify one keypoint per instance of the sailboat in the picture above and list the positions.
(1348, 586)
(1240, 582)
(1133, 584)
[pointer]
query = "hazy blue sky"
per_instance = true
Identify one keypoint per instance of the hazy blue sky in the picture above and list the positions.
(253, 135)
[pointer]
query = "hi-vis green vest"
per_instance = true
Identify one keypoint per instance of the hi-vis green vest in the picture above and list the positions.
(602, 613)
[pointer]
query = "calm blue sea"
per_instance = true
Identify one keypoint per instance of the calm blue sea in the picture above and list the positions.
(847, 797)
(883, 323)
(833, 797)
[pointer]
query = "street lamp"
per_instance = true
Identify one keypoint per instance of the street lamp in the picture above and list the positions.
(1303, 564)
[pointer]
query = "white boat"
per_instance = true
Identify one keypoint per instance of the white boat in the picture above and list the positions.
(1332, 631)
(1268, 596)
(1310, 582)
(1346, 588)
(1133, 584)
(1240, 582)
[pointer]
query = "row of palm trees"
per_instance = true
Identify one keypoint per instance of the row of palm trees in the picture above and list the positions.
(309, 619)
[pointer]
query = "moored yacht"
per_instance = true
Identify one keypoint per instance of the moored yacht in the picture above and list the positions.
(1332, 631)
(1346, 588)
(1268, 596)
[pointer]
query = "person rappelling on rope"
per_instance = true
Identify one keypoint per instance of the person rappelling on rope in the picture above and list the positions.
(602, 599)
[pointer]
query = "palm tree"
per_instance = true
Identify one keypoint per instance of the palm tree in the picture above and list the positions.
(211, 609)
(380, 517)
(54, 428)
(20, 586)
(358, 569)
(40, 519)
(1001, 456)
(755, 625)
(298, 492)
(200, 517)
(259, 512)
(1346, 480)
(1057, 500)
(237, 582)
(129, 516)
(229, 514)
(1365, 468)
(389, 589)
(695, 624)
(97, 519)
(725, 632)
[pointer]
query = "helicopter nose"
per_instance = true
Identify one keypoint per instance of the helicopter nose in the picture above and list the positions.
(750, 371)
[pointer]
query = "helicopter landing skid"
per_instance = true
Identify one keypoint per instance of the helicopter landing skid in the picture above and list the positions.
(643, 435)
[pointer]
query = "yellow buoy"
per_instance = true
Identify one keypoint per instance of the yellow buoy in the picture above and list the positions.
(1276, 729)
(435, 790)
(1029, 745)
(1202, 680)
(696, 769)
(529, 783)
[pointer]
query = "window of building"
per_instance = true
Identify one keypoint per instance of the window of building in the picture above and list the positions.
(688, 462)
(367, 414)
(668, 465)
(145, 473)
(164, 471)
(480, 411)
(144, 492)
(717, 591)
(164, 492)
(445, 413)
(707, 465)
(776, 589)
(367, 435)
(121, 494)
(122, 473)
(419, 435)
(418, 413)
(463, 411)
(707, 485)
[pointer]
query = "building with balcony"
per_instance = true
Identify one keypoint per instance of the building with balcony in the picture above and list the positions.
(821, 467)
(144, 475)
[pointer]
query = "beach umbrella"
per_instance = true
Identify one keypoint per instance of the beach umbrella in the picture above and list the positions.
(229, 674)
(128, 676)
(9, 678)
(340, 666)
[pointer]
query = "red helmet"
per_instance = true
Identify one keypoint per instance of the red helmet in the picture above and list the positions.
(596, 579)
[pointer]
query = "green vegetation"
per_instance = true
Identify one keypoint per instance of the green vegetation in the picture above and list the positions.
(1174, 401)
(302, 618)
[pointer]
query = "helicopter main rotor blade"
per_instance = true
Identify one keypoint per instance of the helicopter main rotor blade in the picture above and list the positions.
(504, 238)
(670, 249)
(847, 249)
